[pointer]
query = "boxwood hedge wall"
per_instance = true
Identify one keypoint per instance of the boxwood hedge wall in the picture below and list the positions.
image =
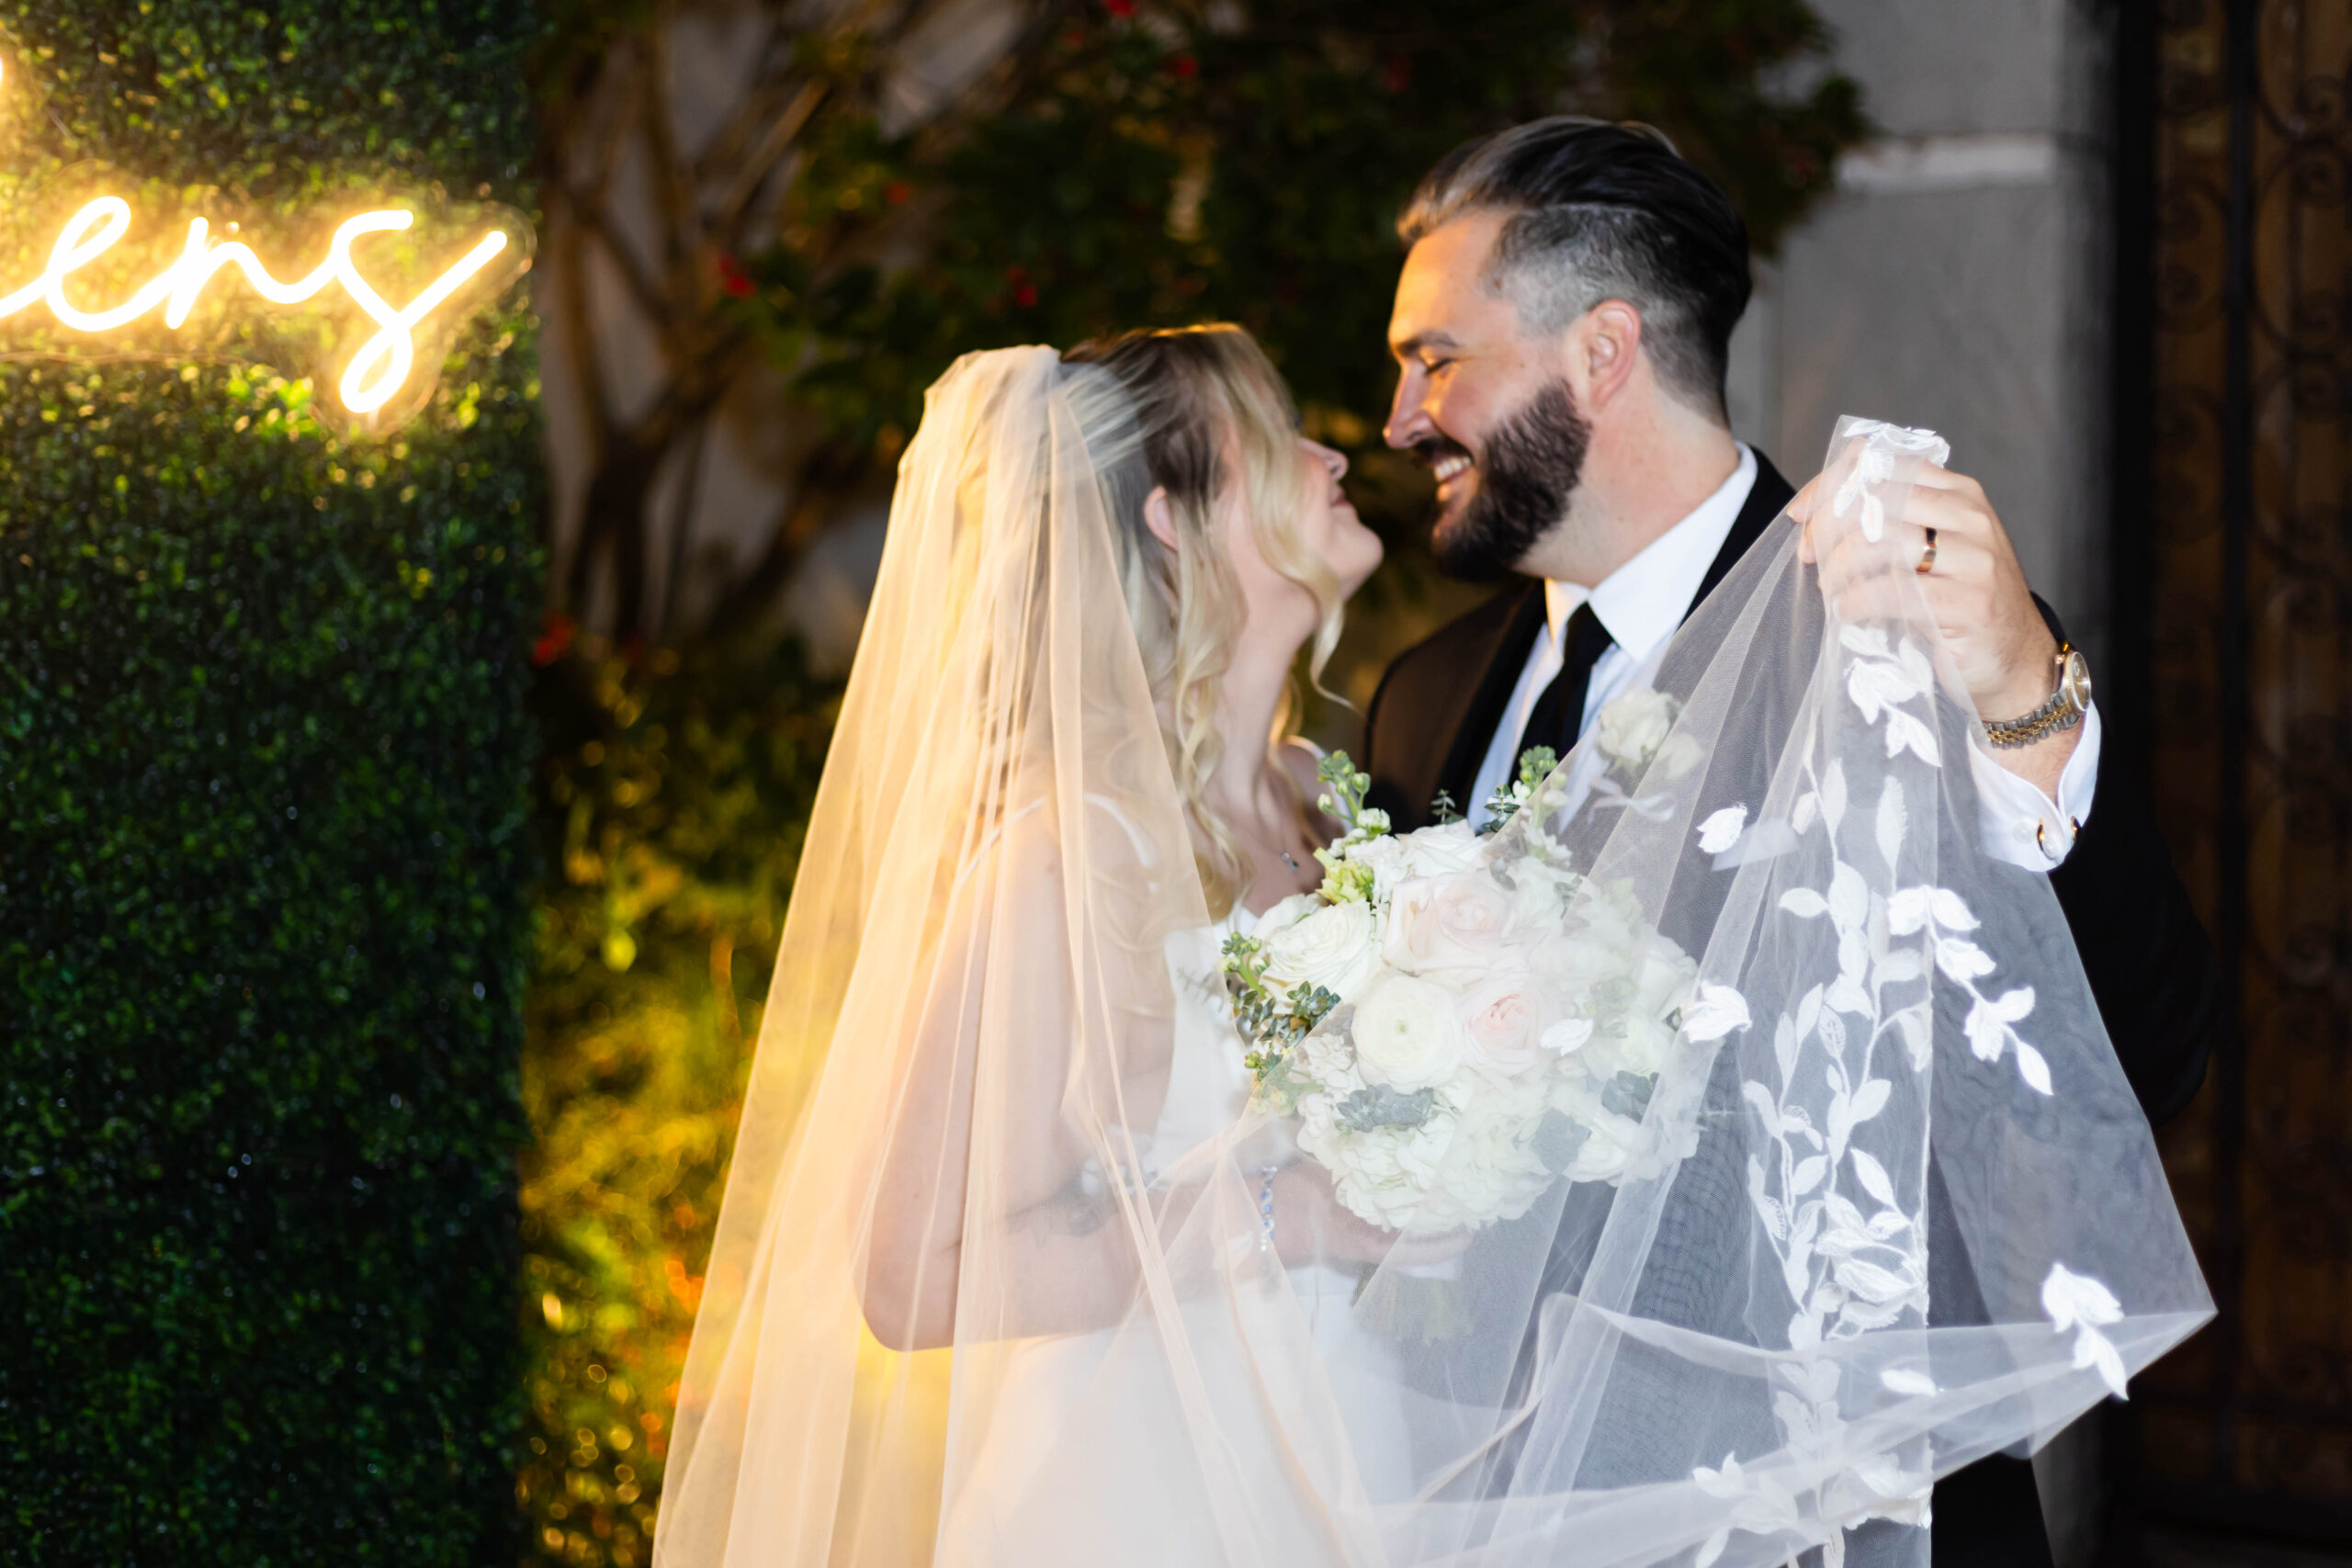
(263, 921)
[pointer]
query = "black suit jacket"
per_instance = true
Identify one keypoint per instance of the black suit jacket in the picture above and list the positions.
(2150, 967)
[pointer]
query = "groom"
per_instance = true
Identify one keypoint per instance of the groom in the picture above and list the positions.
(1561, 330)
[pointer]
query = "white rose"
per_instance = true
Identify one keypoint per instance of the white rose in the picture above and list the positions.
(1442, 850)
(1663, 975)
(1610, 1149)
(1645, 1046)
(1429, 852)
(1535, 900)
(1285, 915)
(1678, 755)
(1408, 1032)
(1611, 913)
(1503, 1021)
(1461, 926)
(1629, 728)
(1574, 964)
(1337, 947)
(1610, 1143)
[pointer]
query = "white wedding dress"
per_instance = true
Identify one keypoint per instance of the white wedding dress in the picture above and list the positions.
(1082, 1425)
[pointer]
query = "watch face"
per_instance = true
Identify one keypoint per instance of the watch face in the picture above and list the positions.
(2075, 681)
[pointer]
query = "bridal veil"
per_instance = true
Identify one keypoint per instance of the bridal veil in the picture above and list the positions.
(1889, 1204)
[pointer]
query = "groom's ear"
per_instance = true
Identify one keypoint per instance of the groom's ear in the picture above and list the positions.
(1160, 516)
(1606, 344)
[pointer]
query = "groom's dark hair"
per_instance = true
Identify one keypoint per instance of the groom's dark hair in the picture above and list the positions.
(1603, 212)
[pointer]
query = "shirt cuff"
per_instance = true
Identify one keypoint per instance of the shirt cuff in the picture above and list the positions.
(2024, 827)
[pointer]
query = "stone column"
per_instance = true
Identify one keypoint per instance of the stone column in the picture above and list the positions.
(1958, 278)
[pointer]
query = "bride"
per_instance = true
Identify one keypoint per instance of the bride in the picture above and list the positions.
(1013, 1268)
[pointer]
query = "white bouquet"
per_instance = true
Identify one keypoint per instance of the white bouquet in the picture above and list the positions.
(1455, 1031)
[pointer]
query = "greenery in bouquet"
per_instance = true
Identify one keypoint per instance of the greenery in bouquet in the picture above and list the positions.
(1458, 1019)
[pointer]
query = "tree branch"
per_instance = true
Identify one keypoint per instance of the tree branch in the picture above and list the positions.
(755, 171)
(681, 527)
(671, 179)
(641, 289)
(771, 83)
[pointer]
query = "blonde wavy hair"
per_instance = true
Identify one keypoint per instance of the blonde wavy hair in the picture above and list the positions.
(1194, 393)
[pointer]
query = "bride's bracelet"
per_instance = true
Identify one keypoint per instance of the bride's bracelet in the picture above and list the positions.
(1266, 1207)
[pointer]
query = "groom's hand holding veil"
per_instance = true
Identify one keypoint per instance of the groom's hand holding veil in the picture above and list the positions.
(1975, 589)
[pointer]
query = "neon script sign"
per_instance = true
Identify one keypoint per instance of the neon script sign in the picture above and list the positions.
(375, 373)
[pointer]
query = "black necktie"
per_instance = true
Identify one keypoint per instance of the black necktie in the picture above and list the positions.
(1558, 713)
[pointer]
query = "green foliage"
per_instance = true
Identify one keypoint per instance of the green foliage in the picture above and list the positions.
(262, 842)
(672, 802)
(274, 101)
(1177, 162)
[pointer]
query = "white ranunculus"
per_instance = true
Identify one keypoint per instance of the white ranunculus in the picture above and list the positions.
(1408, 1032)
(1336, 946)
(1632, 727)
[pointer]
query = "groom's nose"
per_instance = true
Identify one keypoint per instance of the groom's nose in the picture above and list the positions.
(1409, 420)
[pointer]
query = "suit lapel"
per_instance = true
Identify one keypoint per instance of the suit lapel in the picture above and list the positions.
(1765, 498)
(1490, 680)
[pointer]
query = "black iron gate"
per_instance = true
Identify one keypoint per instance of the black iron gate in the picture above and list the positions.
(2234, 544)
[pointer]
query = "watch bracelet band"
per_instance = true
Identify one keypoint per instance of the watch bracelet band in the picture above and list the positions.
(2052, 718)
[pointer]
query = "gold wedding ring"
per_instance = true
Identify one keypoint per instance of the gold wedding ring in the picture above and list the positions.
(1928, 561)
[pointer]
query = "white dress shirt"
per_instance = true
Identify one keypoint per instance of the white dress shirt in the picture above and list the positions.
(1639, 605)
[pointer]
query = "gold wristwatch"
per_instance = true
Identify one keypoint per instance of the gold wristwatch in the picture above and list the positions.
(2062, 711)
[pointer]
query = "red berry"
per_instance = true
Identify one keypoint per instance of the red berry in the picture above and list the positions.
(554, 639)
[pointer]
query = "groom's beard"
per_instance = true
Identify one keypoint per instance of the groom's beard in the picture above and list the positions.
(1526, 476)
